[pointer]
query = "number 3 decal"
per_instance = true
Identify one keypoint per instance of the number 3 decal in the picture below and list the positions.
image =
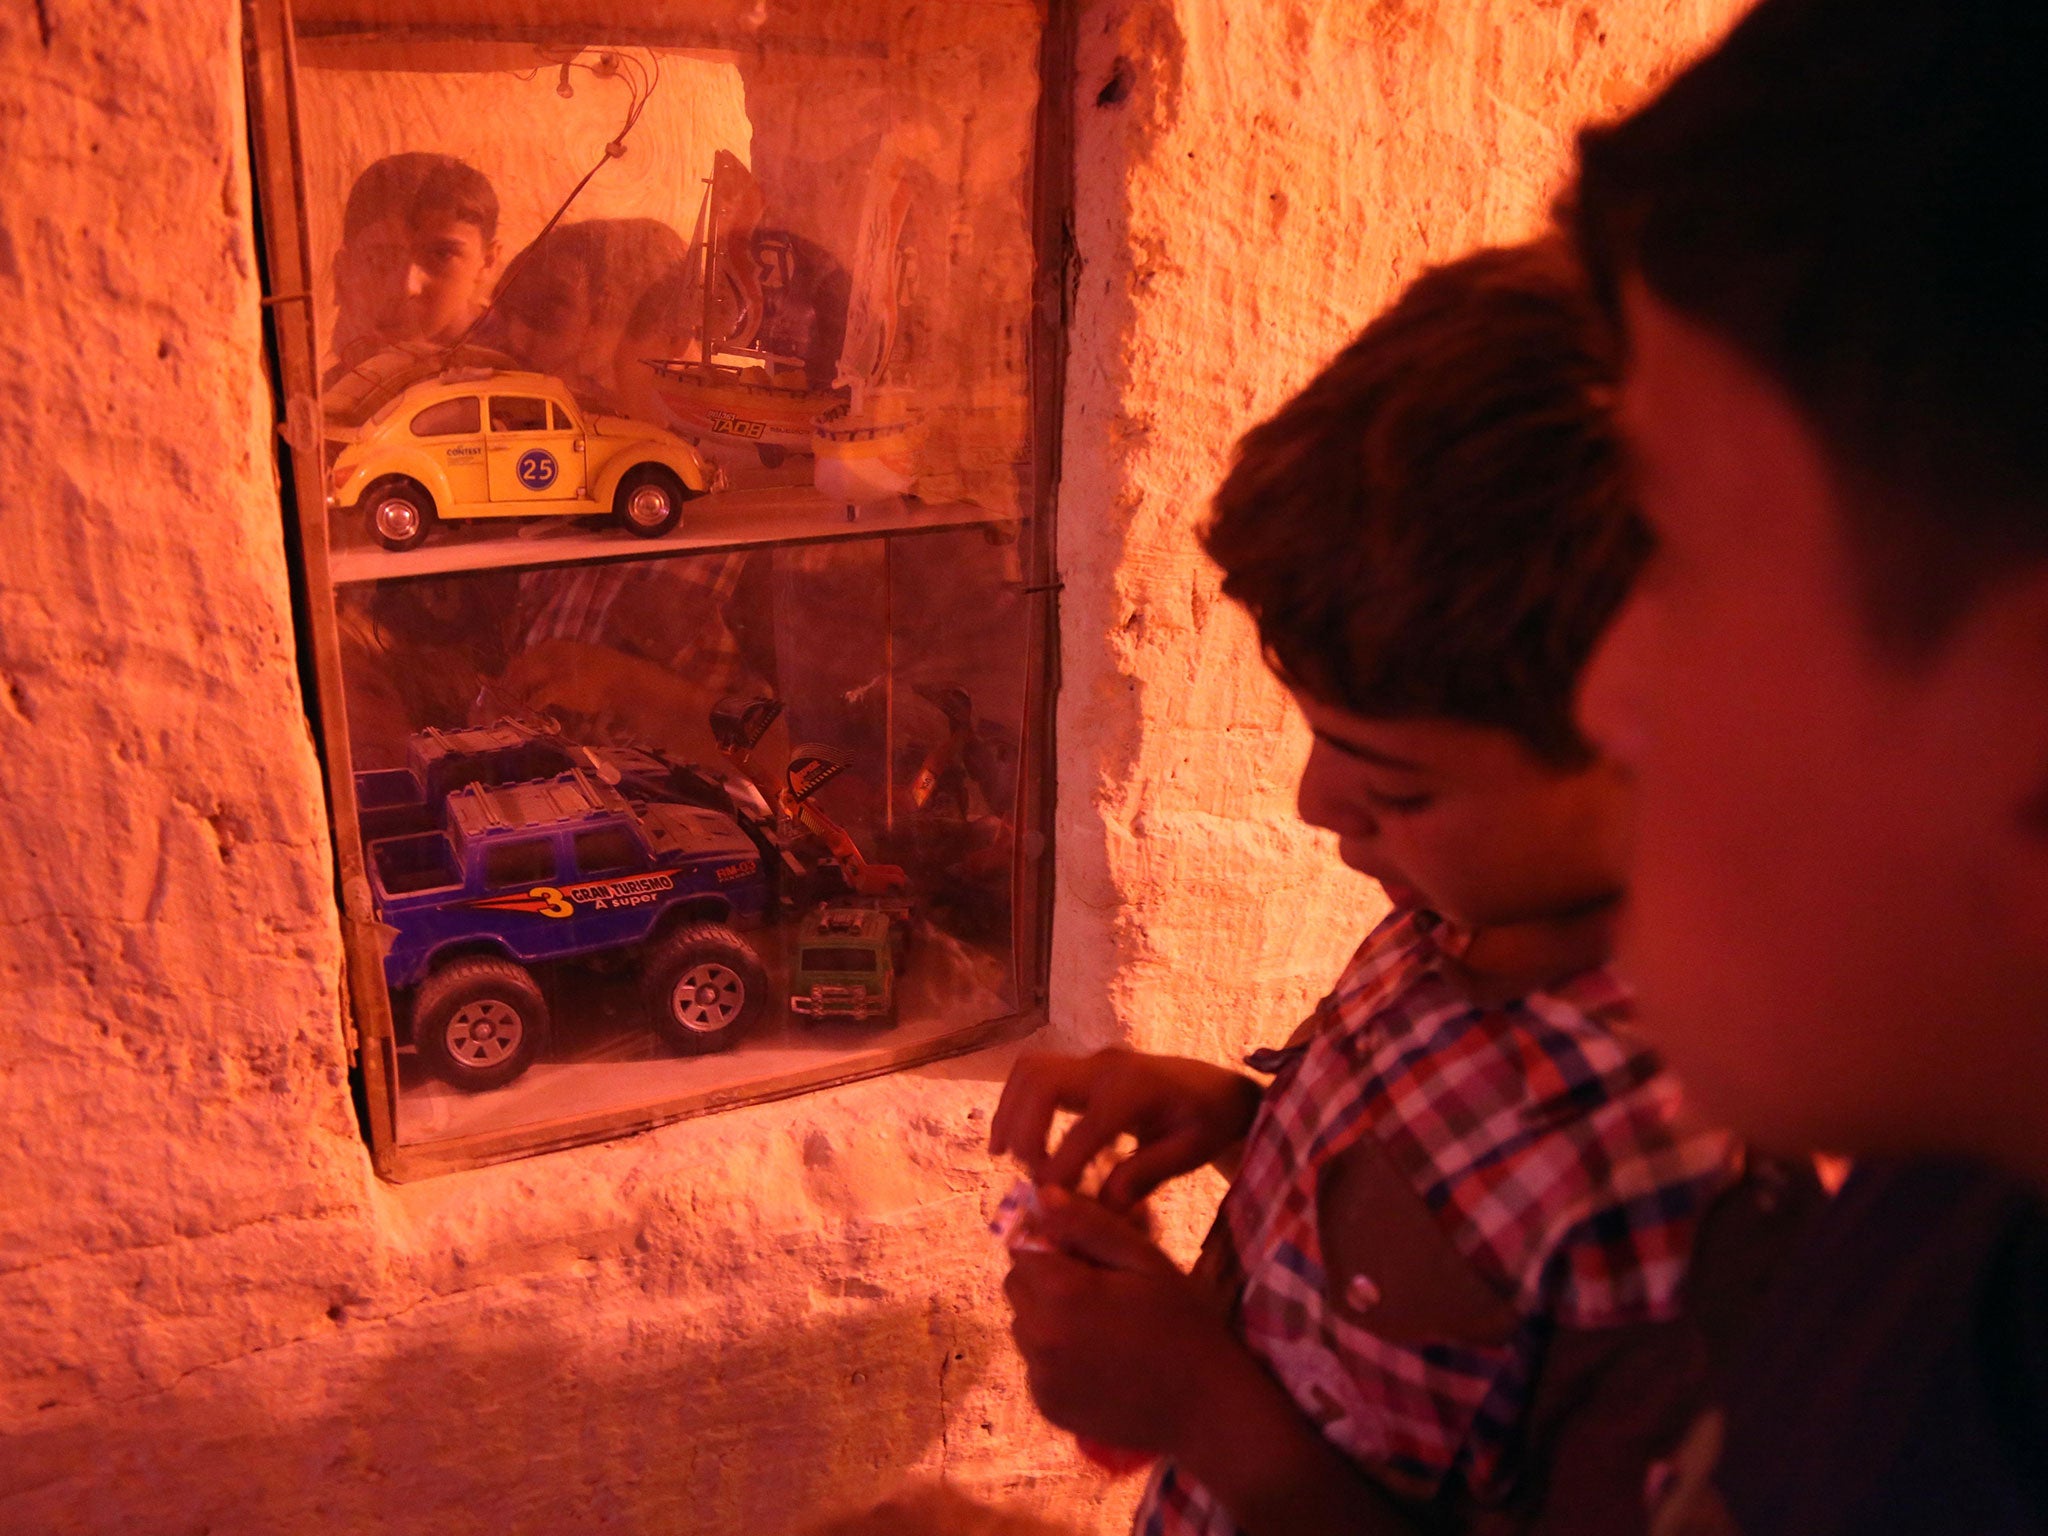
(558, 905)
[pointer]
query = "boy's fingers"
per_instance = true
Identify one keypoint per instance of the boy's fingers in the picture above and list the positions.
(1044, 1290)
(1151, 1166)
(1099, 1126)
(1082, 1228)
(1024, 1113)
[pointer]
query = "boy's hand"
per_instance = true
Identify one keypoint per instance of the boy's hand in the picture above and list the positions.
(1118, 1345)
(1122, 1348)
(1183, 1113)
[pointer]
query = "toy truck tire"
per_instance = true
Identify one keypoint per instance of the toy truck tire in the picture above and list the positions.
(478, 1023)
(399, 511)
(703, 985)
(649, 501)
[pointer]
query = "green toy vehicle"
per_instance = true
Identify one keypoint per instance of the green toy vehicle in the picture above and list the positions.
(847, 959)
(490, 442)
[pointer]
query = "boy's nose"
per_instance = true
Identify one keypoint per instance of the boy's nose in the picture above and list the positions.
(415, 280)
(1318, 802)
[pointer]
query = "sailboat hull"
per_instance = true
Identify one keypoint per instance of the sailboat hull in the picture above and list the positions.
(725, 409)
(865, 463)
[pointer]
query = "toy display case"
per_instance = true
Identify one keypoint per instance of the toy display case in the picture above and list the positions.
(669, 395)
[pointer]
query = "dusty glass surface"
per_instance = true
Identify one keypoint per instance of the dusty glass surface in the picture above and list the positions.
(675, 424)
(794, 268)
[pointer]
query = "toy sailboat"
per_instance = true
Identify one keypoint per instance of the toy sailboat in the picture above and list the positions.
(732, 390)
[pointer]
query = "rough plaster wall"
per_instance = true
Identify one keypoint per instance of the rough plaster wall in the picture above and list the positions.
(1255, 182)
(212, 1317)
(175, 1108)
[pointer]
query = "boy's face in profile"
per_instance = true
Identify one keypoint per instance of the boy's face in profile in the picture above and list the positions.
(418, 281)
(1838, 915)
(1463, 819)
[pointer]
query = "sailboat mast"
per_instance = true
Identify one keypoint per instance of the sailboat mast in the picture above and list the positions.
(710, 268)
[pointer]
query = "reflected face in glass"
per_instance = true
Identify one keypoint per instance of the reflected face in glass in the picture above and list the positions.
(422, 281)
(1829, 903)
(1463, 819)
(547, 319)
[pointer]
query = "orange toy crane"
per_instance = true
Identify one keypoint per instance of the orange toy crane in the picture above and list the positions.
(811, 765)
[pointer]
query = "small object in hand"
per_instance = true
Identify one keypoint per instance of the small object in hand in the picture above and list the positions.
(1014, 1222)
(1015, 1218)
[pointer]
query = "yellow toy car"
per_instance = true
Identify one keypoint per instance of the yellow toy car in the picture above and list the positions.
(491, 442)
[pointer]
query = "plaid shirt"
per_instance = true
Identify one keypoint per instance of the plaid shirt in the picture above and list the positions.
(1543, 1140)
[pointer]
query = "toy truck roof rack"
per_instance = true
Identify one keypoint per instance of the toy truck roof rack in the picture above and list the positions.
(433, 741)
(477, 809)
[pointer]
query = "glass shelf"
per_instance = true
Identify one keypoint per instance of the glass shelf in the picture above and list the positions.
(724, 520)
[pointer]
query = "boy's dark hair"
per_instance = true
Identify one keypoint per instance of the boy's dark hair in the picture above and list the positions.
(1846, 194)
(1439, 524)
(415, 185)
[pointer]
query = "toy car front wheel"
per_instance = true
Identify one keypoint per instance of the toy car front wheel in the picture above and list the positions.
(703, 986)
(400, 513)
(649, 501)
(479, 1023)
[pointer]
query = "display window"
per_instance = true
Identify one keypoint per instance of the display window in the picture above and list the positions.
(669, 396)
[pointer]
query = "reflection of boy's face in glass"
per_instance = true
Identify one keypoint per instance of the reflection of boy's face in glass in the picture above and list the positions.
(548, 320)
(421, 281)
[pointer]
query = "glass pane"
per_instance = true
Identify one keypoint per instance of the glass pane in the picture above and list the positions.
(804, 277)
(815, 747)
(450, 416)
(599, 853)
(518, 413)
(838, 960)
(516, 863)
(687, 736)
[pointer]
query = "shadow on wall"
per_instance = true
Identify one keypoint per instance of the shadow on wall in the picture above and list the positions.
(452, 1432)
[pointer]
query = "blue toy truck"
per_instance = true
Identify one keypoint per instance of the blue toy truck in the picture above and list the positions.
(564, 868)
(394, 801)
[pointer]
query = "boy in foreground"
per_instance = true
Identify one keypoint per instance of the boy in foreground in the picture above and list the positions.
(1443, 1286)
(1833, 685)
